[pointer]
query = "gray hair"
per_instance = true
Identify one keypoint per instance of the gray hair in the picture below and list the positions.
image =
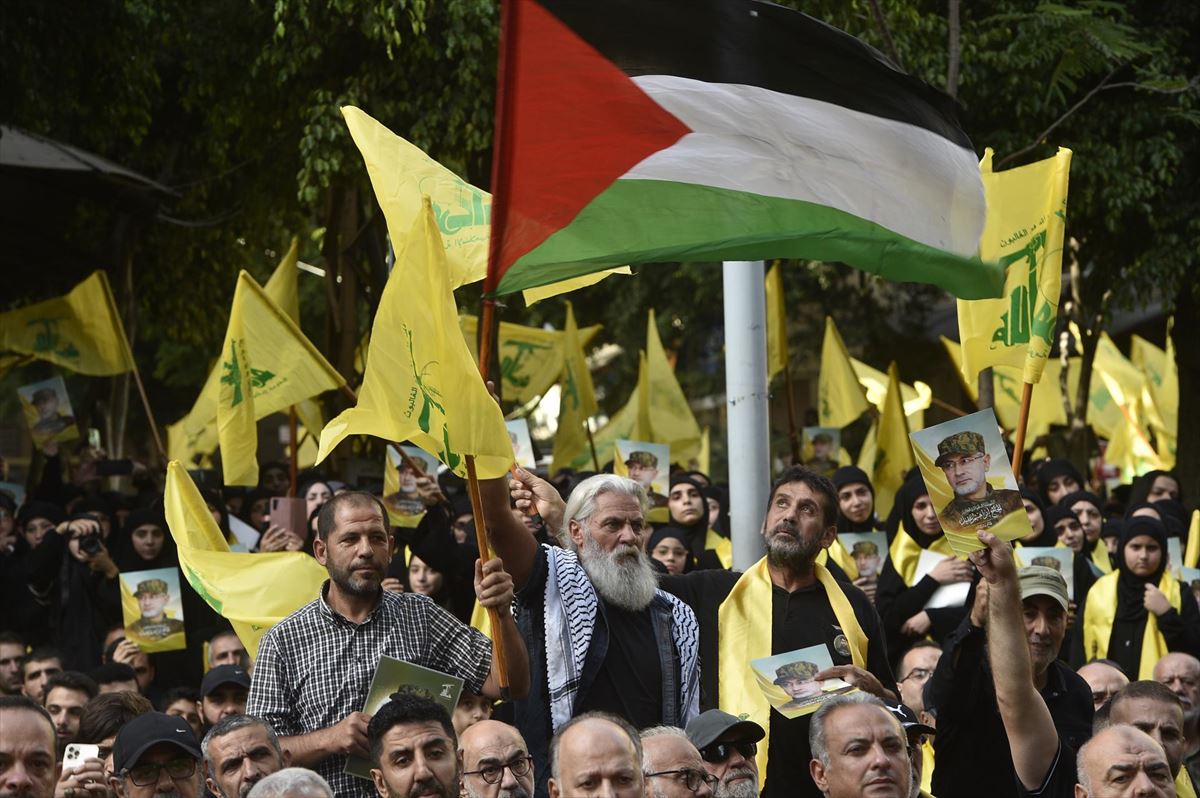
(816, 729)
(660, 731)
(582, 502)
(619, 722)
(292, 783)
(232, 723)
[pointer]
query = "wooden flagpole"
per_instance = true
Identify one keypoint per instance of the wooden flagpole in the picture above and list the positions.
(137, 378)
(587, 425)
(1022, 422)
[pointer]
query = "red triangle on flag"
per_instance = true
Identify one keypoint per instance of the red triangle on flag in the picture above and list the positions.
(569, 122)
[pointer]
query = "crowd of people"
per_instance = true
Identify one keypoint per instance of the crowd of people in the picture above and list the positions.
(627, 639)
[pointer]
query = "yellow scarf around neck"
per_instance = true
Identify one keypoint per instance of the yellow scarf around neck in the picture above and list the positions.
(1100, 557)
(723, 546)
(1101, 611)
(1183, 784)
(745, 621)
(906, 552)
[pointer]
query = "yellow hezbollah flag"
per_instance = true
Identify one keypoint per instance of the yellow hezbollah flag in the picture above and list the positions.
(671, 418)
(916, 397)
(631, 422)
(1045, 409)
(252, 591)
(840, 397)
(531, 359)
(1027, 214)
(196, 433)
(893, 454)
(1161, 397)
(80, 331)
(535, 295)
(266, 365)
(577, 399)
(777, 348)
(421, 384)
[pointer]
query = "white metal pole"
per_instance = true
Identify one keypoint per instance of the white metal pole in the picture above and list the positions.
(746, 406)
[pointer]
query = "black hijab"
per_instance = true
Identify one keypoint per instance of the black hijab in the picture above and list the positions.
(696, 532)
(1131, 588)
(1048, 471)
(1050, 516)
(912, 490)
(665, 532)
(128, 559)
(721, 496)
(1140, 491)
(853, 475)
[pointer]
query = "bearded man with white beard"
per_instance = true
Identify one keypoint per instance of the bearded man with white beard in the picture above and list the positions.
(784, 602)
(601, 635)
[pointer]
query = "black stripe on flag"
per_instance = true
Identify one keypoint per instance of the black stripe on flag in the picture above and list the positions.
(755, 43)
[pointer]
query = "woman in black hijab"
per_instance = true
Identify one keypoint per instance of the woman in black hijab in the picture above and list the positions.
(689, 513)
(856, 500)
(1120, 605)
(900, 596)
(1056, 478)
(1155, 485)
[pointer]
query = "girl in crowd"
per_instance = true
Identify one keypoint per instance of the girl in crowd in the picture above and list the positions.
(1088, 508)
(1140, 612)
(668, 545)
(1055, 479)
(689, 513)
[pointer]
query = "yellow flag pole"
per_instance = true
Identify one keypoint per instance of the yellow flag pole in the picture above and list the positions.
(1022, 423)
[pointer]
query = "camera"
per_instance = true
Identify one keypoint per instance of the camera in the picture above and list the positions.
(90, 544)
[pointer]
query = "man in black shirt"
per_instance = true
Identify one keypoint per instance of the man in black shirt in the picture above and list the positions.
(1022, 729)
(801, 520)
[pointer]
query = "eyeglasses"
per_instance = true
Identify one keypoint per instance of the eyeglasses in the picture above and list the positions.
(920, 674)
(492, 774)
(691, 777)
(719, 752)
(963, 463)
(148, 774)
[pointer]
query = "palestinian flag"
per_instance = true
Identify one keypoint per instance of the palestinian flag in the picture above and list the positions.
(638, 131)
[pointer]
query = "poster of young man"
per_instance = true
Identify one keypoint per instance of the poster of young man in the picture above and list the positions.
(789, 680)
(152, 609)
(400, 495)
(970, 480)
(48, 411)
(518, 433)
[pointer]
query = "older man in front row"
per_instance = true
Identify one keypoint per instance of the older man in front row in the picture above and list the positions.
(859, 749)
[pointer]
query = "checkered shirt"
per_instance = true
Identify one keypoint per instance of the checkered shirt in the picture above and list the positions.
(315, 667)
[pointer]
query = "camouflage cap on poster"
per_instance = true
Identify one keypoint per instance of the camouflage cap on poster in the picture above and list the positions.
(151, 587)
(43, 394)
(798, 671)
(643, 459)
(822, 437)
(964, 443)
(864, 547)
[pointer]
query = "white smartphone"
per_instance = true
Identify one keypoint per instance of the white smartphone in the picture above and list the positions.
(76, 753)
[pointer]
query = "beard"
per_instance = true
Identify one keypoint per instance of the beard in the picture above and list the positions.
(791, 550)
(425, 786)
(517, 792)
(348, 582)
(623, 577)
(743, 789)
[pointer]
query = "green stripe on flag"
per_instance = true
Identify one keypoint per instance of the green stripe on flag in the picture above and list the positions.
(648, 221)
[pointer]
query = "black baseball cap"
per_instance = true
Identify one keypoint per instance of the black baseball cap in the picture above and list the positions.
(908, 720)
(710, 726)
(145, 731)
(224, 674)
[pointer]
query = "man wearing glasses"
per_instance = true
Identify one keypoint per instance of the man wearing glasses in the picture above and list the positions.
(672, 766)
(496, 761)
(727, 747)
(156, 753)
(916, 666)
(965, 461)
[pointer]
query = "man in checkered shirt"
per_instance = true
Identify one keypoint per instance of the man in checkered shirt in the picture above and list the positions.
(313, 669)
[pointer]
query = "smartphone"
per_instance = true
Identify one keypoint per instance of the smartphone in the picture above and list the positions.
(94, 438)
(76, 753)
(113, 468)
(291, 514)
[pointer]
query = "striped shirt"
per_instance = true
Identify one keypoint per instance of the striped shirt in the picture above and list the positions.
(315, 667)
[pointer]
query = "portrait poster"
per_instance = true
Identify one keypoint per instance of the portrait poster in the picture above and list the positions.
(1191, 578)
(951, 595)
(646, 463)
(518, 433)
(152, 609)
(820, 447)
(400, 495)
(47, 409)
(868, 550)
(1059, 558)
(787, 680)
(970, 480)
(393, 676)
